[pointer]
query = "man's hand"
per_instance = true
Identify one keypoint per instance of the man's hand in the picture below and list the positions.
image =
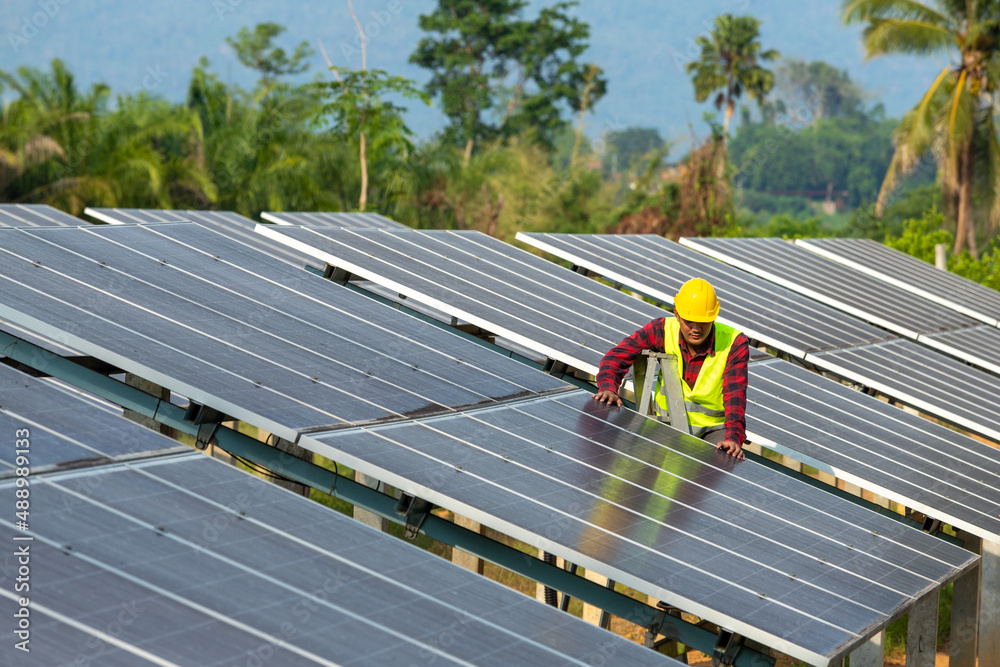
(609, 397)
(731, 448)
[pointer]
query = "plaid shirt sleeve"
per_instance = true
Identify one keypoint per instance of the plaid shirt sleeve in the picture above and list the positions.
(616, 363)
(734, 390)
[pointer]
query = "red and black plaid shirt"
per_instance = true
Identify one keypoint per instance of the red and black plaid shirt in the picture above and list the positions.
(616, 363)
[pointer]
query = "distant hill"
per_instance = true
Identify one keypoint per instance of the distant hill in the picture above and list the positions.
(641, 44)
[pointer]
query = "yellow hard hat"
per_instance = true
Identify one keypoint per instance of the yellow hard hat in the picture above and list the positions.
(696, 301)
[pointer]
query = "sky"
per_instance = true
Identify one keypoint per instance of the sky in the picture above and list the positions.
(642, 45)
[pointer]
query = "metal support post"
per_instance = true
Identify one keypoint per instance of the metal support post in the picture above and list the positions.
(299, 453)
(364, 516)
(965, 610)
(564, 602)
(605, 620)
(592, 613)
(462, 558)
(941, 256)
(871, 653)
(921, 632)
(989, 606)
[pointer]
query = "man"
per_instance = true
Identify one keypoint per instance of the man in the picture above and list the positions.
(712, 364)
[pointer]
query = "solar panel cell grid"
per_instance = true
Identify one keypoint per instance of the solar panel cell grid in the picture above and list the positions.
(607, 489)
(912, 274)
(278, 346)
(658, 267)
(611, 493)
(190, 547)
(35, 215)
(332, 219)
(931, 382)
(226, 223)
(834, 284)
(484, 281)
(67, 431)
(898, 455)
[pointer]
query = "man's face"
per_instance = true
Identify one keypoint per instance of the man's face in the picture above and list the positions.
(694, 333)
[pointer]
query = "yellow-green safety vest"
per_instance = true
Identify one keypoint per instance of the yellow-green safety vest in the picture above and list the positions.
(703, 402)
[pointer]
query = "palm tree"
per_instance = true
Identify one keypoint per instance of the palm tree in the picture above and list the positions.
(954, 121)
(730, 64)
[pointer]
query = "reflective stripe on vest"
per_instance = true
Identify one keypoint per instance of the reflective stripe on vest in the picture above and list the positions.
(703, 402)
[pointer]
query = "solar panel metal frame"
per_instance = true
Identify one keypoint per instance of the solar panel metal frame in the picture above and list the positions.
(336, 219)
(705, 267)
(372, 574)
(911, 274)
(641, 313)
(36, 215)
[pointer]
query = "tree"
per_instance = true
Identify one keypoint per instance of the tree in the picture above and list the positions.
(628, 146)
(955, 120)
(360, 110)
(730, 64)
(819, 89)
(499, 75)
(70, 150)
(255, 50)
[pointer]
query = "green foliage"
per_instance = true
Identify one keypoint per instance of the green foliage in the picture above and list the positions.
(500, 75)
(818, 90)
(631, 146)
(72, 149)
(358, 104)
(913, 203)
(847, 153)
(256, 51)
(789, 227)
(919, 237)
(729, 64)
(955, 120)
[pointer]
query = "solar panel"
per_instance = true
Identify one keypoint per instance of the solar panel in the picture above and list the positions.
(933, 383)
(232, 328)
(185, 560)
(332, 219)
(911, 274)
(854, 292)
(486, 282)
(36, 215)
(983, 339)
(657, 267)
(66, 430)
(738, 544)
(607, 471)
(226, 223)
(876, 446)
(904, 371)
